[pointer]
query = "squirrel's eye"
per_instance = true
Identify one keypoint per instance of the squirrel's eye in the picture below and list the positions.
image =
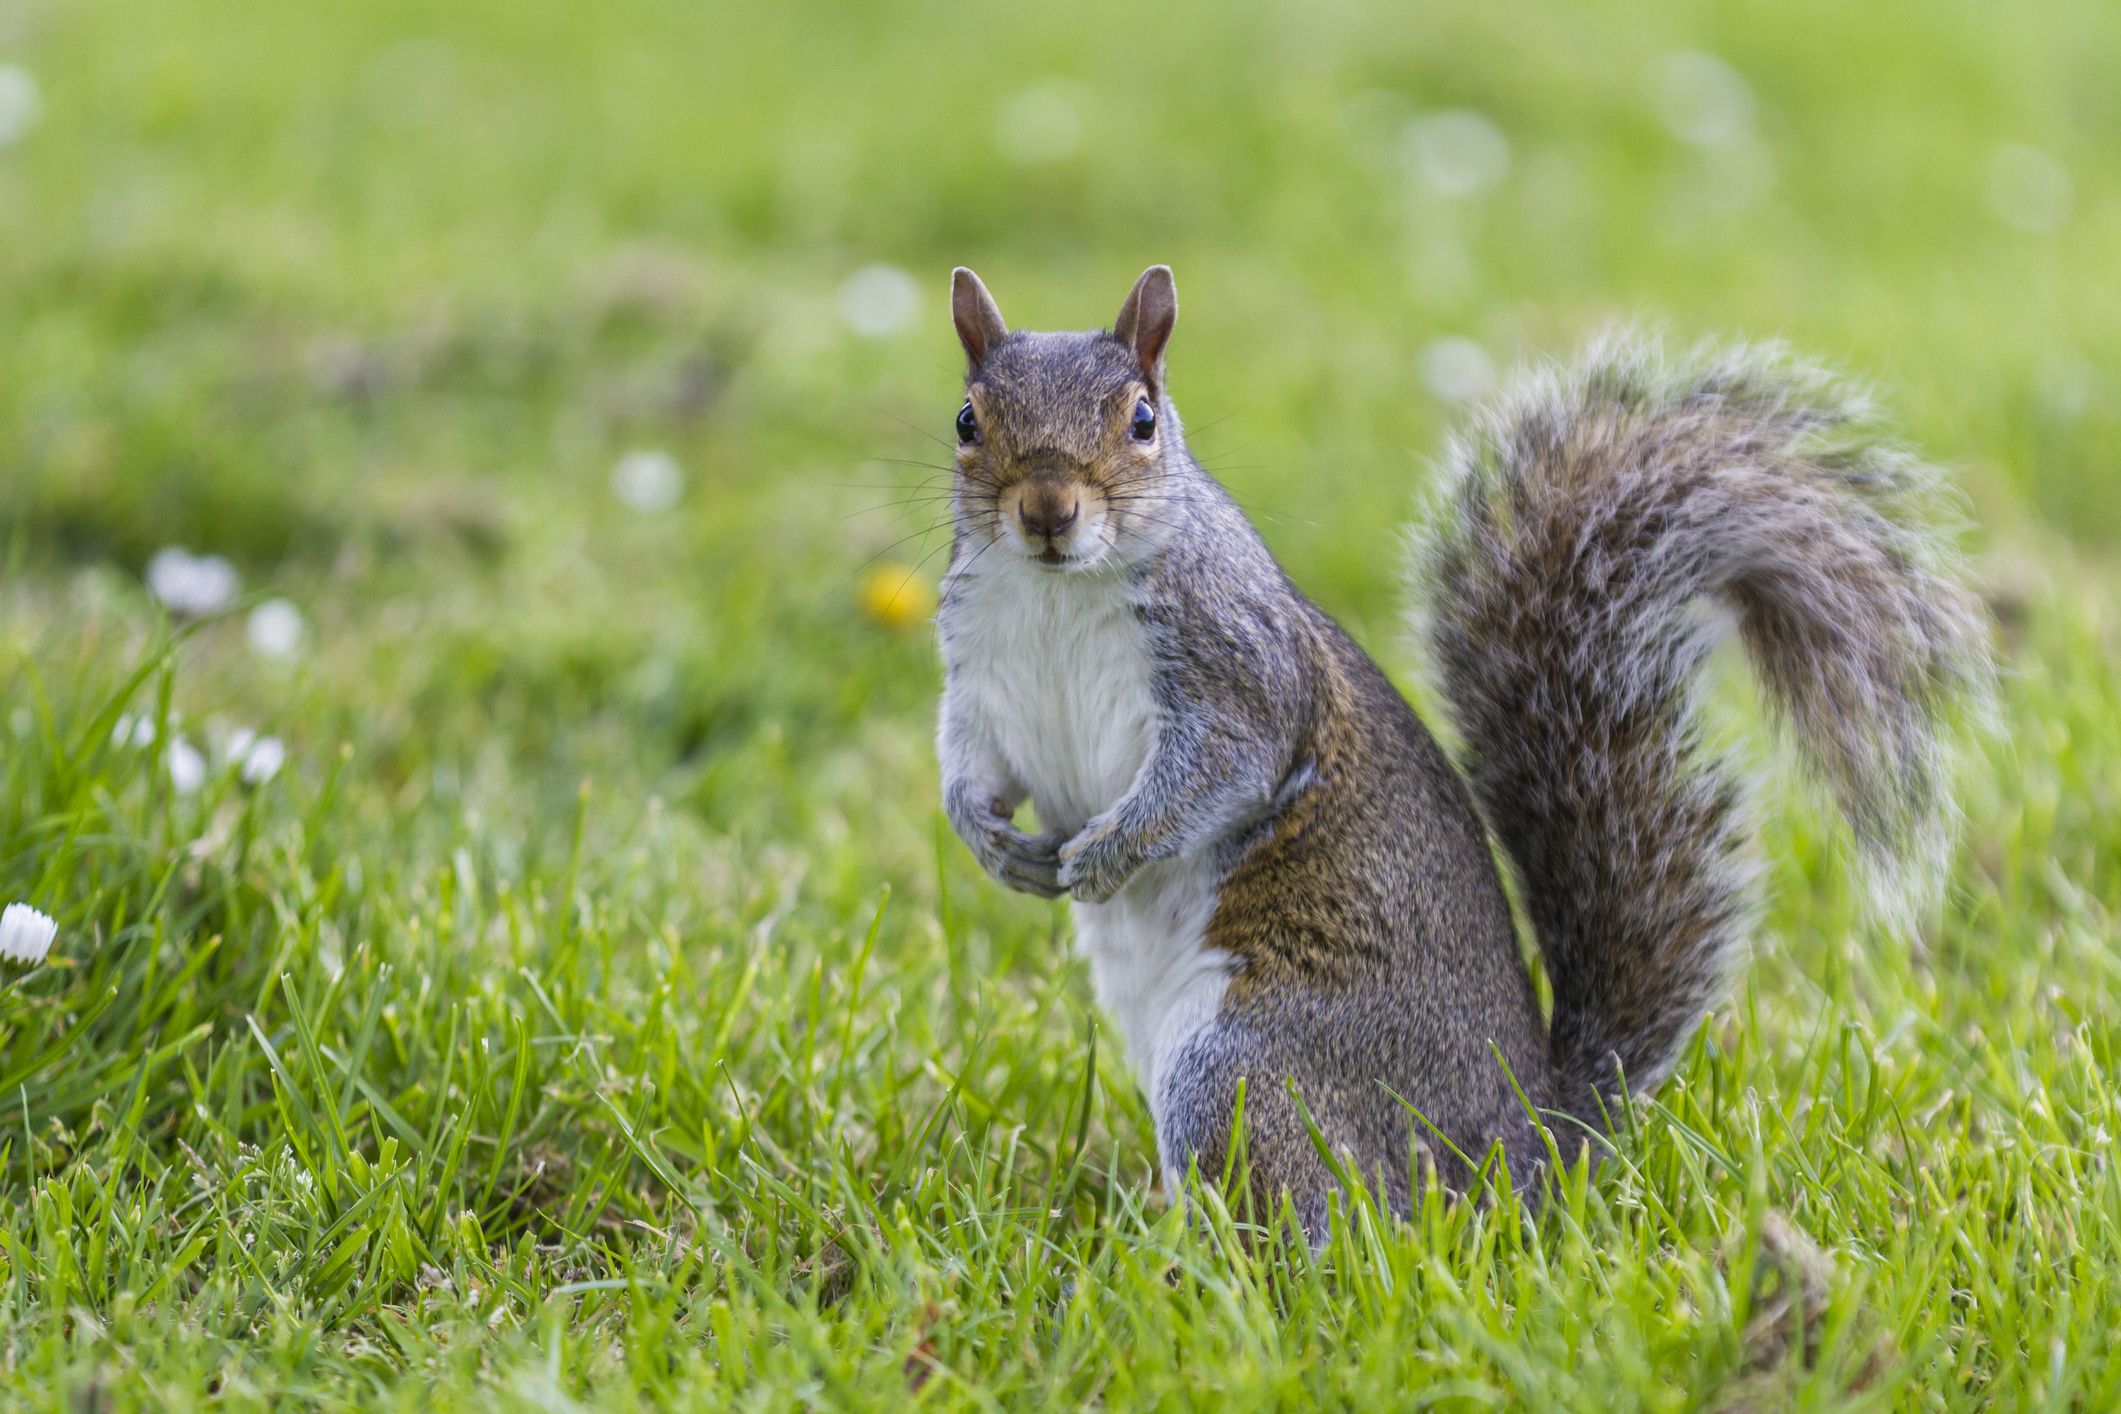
(1144, 421)
(967, 424)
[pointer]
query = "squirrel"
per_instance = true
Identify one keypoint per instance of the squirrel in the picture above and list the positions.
(1284, 888)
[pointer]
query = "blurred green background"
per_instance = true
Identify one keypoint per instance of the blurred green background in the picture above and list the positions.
(370, 299)
(565, 376)
(283, 280)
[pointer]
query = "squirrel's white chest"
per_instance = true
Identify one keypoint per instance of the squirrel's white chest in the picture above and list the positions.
(1057, 670)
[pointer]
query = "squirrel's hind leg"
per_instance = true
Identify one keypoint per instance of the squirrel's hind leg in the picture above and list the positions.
(1270, 1145)
(1259, 1152)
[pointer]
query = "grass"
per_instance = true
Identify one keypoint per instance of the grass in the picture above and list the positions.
(595, 1011)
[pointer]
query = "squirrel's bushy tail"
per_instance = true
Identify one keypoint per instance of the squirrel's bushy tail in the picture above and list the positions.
(1598, 532)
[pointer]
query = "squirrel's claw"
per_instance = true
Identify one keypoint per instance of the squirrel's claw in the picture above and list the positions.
(1029, 864)
(1092, 890)
(1090, 869)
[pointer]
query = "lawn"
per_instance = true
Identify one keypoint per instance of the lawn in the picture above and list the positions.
(580, 1001)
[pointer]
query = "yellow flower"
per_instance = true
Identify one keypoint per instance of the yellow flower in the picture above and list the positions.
(896, 596)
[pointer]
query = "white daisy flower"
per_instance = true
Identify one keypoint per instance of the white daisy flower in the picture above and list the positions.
(1457, 152)
(191, 584)
(19, 104)
(1039, 125)
(260, 757)
(648, 479)
(130, 730)
(1457, 369)
(2029, 189)
(276, 629)
(187, 768)
(1703, 100)
(878, 301)
(25, 934)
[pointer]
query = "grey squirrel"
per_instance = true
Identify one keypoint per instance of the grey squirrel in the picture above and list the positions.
(1280, 880)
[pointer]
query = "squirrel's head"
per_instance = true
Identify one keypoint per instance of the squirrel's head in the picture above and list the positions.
(1065, 442)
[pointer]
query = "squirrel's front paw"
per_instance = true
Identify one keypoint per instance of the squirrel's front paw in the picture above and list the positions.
(1029, 864)
(1092, 868)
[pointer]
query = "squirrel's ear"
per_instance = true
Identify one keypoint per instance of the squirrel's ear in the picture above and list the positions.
(1145, 320)
(978, 319)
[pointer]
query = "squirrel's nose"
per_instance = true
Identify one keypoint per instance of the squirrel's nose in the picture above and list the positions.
(1049, 516)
